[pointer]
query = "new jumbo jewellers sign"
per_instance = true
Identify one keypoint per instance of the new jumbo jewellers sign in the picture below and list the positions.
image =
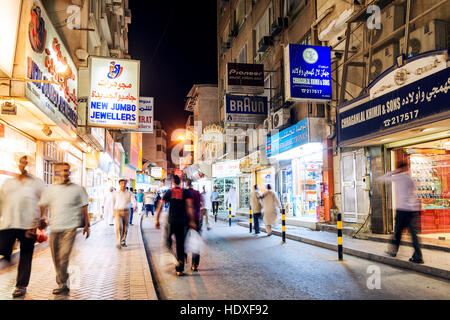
(48, 60)
(114, 95)
(417, 100)
(307, 72)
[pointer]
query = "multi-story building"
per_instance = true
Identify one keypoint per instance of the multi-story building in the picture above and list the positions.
(45, 84)
(379, 51)
(154, 147)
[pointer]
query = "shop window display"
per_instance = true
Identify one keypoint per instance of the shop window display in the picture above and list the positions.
(430, 169)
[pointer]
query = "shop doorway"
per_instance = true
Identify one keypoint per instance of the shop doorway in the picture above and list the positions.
(355, 197)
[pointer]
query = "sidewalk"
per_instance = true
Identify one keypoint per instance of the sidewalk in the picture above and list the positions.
(99, 271)
(437, 262)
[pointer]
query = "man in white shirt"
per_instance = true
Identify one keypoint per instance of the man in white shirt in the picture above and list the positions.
(67, 203)
(108, 208)
(407, 209)
(121, 200)
(19, 218)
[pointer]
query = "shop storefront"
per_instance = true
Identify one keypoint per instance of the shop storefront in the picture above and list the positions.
(227, 176)
(299, 153)
(408, 120)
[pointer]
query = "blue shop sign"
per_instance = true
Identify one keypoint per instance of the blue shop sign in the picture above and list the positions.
(142, 178)
(420, 99)
(245, 109)
(308, 72)
(287, 139)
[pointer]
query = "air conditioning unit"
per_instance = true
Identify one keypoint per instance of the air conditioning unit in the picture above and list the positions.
(392, 17)
(280, 118)
(268, 124)
(431, 36)
(265, 43)
(278, 25)
(382, 60)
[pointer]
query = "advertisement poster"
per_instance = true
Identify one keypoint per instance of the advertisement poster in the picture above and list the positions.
(48, 60)
(245, 109)
(307, 73)
(114, 93)
(245, 78)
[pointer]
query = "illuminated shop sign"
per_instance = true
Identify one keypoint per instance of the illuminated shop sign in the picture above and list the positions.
(287, 139)
(245, 109)
(9, 20)
(425, 97)
(307, 72)
(48, 60)
(114, 95)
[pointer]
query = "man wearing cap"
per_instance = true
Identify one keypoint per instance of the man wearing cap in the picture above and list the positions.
(121, 200)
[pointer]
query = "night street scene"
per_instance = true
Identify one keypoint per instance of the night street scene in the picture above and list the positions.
(225, 159)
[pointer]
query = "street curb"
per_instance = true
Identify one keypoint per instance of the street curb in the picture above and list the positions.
(149, 278)
(369, 256)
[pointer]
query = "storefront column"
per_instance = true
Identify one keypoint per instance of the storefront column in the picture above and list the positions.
(377, 194)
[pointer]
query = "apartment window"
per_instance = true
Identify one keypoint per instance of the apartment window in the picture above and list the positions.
(239, 14)
(262, 28)
(159, 147)
(295, 6)
(268, 90)
(306, 39)
(242, 57)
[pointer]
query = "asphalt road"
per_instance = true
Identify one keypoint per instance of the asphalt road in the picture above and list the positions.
(236, 265)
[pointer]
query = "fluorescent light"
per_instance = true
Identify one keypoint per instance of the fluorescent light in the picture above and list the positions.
(310, 150)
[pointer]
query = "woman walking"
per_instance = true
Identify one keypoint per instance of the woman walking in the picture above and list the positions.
(271, 208)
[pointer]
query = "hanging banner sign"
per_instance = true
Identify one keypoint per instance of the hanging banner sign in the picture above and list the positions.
(287, 139)
(156, 172)
(415, 101)
(307, 73)
(245, 109)
(114, 94)
(47, 59)
(245, 78)
(146, 114)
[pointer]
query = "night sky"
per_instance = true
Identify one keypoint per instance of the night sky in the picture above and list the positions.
(176, 44)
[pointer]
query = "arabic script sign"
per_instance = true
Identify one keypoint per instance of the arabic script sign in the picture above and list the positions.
(417, 100)
(114, 95)
(308, 72)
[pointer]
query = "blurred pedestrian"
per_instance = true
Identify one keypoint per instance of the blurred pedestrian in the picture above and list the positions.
(140, 201)
(19, 218)
(270, 207)
(215, 201)
(68, 204)
(149, 202)
(198, 219)
(108, 208)
(255, 205)
(231, 200)
(181, 217)
(407, 210)
(131, 207)
(205, 207)
(122, 201)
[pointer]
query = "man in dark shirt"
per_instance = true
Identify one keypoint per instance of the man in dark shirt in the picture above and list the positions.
(196, 203)
(181, 217)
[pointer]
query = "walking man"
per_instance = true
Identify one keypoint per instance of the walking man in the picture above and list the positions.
(271, 208)
(108, 208)
(215, 201)
(67, 203)
(122, 200)
(132, 208)
(149, 202)
(181, 216)
(198, 217)
(204, 208)
(19, 218)
(407, 208)
(140, 200)
(255, 204)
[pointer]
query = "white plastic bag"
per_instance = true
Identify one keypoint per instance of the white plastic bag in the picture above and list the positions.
(193, 242)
